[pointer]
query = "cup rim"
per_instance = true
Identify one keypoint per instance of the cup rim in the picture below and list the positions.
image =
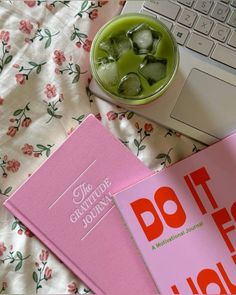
(149, 98)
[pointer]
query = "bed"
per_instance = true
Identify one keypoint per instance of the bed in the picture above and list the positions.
(44, 96)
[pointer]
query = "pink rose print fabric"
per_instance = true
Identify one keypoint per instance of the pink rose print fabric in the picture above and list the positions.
(50, 91)
(59, 57)
(2, 248)
(25, 26)
(44, 96)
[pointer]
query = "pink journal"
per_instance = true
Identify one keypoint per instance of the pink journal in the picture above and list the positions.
(67, 204)
(183, 220)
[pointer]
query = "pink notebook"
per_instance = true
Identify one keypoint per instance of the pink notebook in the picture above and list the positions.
(67, 204)
(183, 220)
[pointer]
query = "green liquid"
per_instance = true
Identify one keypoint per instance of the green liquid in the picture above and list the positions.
(130, 62)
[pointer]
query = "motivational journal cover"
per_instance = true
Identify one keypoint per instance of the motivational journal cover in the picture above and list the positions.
(183, 220)
(67, 204)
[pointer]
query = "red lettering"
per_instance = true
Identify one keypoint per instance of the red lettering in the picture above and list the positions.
(208, 276)
(195, 195)
(163, 195)
(153, 230)
(200, 177)
(233, 211)
(221, 217)
(175, 290)
(231, 286)
(192, 286)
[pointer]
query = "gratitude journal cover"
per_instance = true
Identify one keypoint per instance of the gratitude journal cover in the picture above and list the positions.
(67, 203)
(183, 220)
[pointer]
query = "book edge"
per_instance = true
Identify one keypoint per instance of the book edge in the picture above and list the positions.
(155, 173)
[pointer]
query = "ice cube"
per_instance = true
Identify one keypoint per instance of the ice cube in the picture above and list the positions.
(109, 47)
(153, 69)
(123, 43)
(144, 39)
(130, 85)
(116, 46)
(108, 71)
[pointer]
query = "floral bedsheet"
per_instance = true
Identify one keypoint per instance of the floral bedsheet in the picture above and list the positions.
(44, 95)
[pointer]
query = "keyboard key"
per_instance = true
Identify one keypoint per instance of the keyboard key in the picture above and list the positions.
(224, 55)
(165, 8)
(232, 40)
(220, 32)
(203, 6)
(180, 34)
(188, 3)
(232, 19)
(187, 18)
(220, 12)
(204, 25)
(147, 12)
(200, 44)
(166, 22)
(233, 3)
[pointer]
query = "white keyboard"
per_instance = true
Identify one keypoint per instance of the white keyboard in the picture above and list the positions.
(207, 27)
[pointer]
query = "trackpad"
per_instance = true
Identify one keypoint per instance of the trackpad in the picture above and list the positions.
(207, 104)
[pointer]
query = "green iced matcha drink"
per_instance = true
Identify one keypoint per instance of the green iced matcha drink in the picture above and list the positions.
(134, 58)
